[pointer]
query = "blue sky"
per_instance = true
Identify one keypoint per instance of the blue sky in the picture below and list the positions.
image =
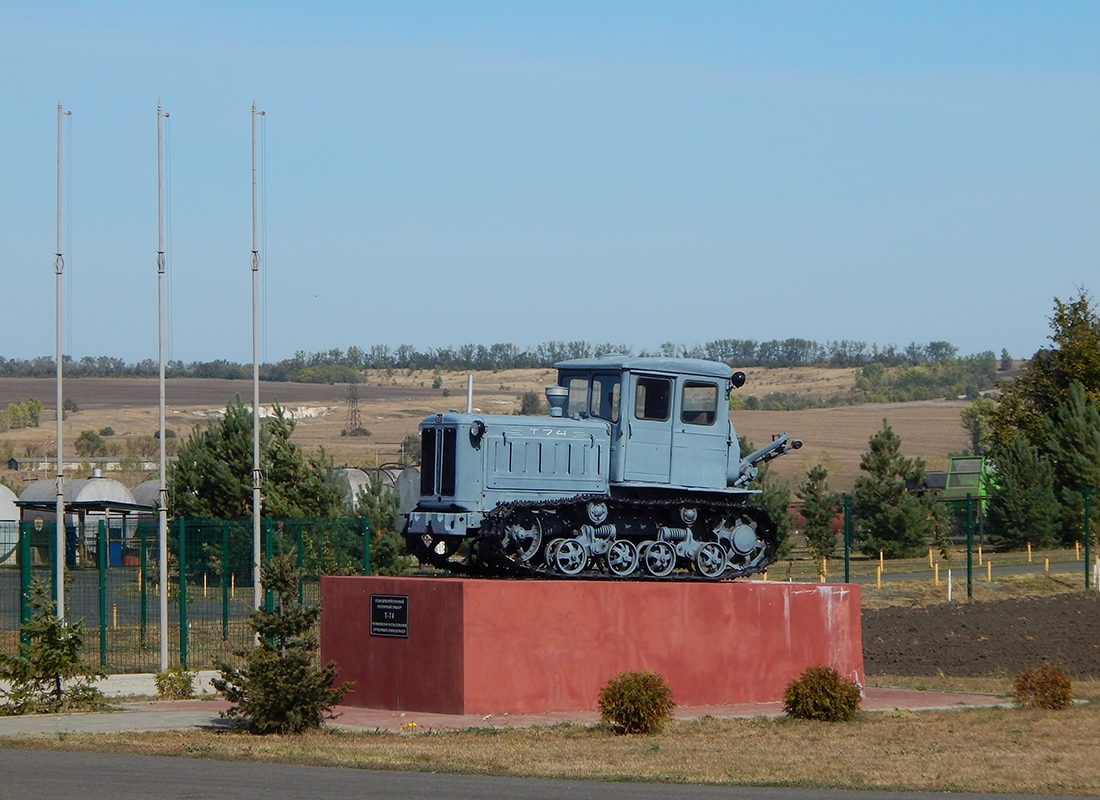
(443, 173)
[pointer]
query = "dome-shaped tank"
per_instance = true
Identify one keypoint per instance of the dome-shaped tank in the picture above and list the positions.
(9, 524)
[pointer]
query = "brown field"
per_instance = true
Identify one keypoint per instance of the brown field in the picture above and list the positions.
(392, 404)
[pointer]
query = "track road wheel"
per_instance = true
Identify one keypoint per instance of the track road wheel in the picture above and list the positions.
(550, 550)
(570, 557)
(659, 559)
(622, 557)
(711, 560)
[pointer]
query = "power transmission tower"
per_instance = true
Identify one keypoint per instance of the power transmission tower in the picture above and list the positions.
(352, 425)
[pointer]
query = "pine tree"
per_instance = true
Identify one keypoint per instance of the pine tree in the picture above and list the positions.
(1074, 355)
(1074, 444)
(886, 515)
(378, 503)
(1023, 506)
(212, 477)
(49, 676)
(819, 509)
(1074, 440)
(281, 690)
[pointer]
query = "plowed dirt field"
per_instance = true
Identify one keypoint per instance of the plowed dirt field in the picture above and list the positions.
(978, 639)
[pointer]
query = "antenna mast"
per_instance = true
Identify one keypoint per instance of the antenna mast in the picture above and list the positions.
(59, 510)
(257, 474)
(162, 491)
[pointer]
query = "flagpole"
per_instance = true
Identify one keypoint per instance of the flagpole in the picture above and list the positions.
(257, 474)
(59, 509)
(162, 490)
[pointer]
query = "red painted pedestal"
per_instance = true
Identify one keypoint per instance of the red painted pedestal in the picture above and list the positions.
(501, 646)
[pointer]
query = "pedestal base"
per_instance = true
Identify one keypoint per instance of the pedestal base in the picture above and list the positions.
(464, 646)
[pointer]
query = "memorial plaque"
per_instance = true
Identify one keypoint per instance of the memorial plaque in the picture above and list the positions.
(389, 615)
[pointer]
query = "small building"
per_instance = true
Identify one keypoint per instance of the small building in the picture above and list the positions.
(87, 501)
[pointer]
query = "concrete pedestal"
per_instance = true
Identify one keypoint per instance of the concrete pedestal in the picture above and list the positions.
(464, 646)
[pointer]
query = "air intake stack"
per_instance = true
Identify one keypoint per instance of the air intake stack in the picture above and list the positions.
(557, 396)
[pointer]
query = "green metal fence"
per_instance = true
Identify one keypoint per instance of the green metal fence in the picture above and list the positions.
(113, 578)
(977, 549)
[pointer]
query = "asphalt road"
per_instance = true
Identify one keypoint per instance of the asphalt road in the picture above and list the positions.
(38, 774)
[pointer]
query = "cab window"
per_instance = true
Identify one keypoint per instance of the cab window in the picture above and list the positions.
(699, 403)
(578, 396)
(652, 398)
(605, 397)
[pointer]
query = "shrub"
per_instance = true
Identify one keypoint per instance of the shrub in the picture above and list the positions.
(636, 702)
(89, 444)
(175, 683)
(530, 404)
(108, 431)
(821, 693)
(281, 689)
(49, 676)
(1043, 686)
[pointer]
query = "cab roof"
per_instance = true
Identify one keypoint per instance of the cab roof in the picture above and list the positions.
(615, 362)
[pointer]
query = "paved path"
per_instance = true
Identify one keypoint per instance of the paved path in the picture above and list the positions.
(34, 775)
(180, 714)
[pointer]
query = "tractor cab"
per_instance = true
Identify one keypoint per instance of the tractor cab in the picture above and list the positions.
(668, 416)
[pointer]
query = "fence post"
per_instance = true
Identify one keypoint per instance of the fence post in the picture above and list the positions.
(969, 547)
(847, 539)
(143, 580)
(269, 596)
(24, 577)
(366, 546)
(101, 551)
(225, 580)
(301, 594)
(182, 530)
(1087, 538)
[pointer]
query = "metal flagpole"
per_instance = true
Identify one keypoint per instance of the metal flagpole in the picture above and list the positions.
(257, 593)
(162, 491)
(59, 509)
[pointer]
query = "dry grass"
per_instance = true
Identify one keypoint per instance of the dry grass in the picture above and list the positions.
(995, 684)
(985, 750)
(1003, 587)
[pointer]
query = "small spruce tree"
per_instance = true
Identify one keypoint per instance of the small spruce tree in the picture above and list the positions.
(49, 676)
(886, 515)
(281, 690)
(379, 503)
(1023, 506)
(1074, 443)
(819, 509)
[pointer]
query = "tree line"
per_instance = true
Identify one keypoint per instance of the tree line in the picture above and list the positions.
(344, 366)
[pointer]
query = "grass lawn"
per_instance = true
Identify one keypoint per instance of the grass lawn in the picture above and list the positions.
(979, 750)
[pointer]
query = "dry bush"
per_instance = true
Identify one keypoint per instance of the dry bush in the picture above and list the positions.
(636, 702)
(821, 693)
(175, 683)
(1043, 686)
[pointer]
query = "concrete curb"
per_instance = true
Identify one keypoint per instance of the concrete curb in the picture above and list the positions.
(185, 714)
(143, 684)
